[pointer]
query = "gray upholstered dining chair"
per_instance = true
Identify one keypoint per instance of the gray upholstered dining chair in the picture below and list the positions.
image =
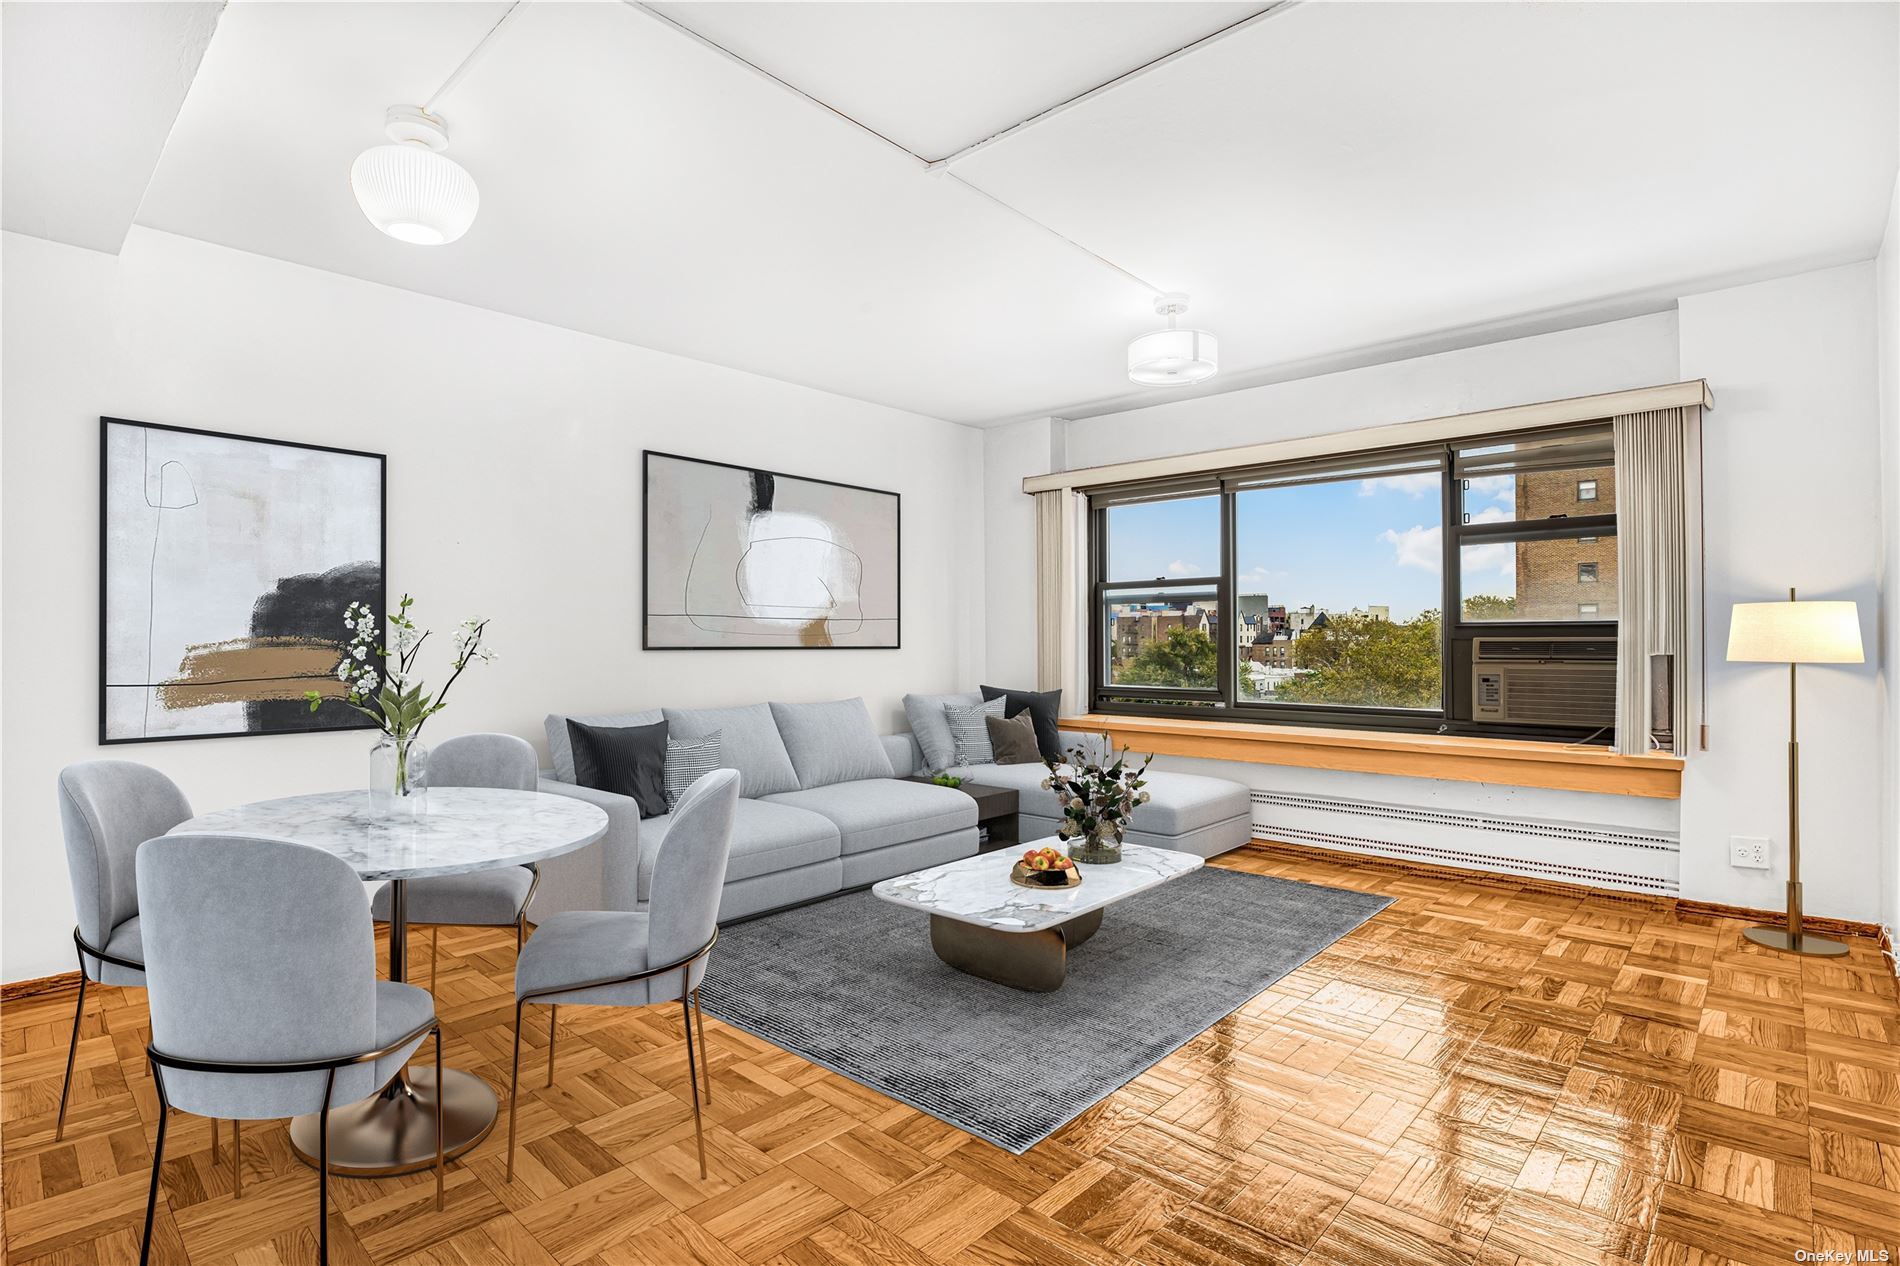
(107, 808)
(620, 958)
(263, 990)
(485, 898)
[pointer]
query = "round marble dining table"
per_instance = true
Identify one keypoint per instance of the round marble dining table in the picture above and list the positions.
(458, 831)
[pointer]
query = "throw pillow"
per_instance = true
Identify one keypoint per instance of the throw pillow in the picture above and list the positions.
(831, 742)
(561, 746)
(629, 761)
(1042, 707)
(749, 742)
(1013, 741)
(969, 734)
(687, 762)
(932, 732)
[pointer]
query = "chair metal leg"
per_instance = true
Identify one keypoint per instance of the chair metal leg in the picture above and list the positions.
(217, 1129)
(705, 1051)
(158, 1157)
(551, 1010)
(521, 932)
(435, 954)
(323, 1169)
(72, 1050)
(440, 1164)
(237, 1161)
(514, 1086)
(692, 1072)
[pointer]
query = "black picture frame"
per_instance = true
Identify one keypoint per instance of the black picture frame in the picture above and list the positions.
(646, 548)
(353, 722)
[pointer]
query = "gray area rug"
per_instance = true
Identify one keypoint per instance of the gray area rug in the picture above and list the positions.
(852, 984)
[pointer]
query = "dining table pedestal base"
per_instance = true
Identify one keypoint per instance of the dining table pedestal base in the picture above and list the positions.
(393, 1132)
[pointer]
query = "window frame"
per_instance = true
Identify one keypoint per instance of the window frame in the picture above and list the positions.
(1225, 703)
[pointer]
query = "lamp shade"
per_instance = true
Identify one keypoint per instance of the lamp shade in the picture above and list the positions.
(1170, 358)
(1795, 633)
(413, 193)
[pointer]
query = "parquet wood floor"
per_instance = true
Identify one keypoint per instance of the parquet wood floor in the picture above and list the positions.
(1479, 1074)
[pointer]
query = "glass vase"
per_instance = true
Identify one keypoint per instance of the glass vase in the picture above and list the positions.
(398, 777)
(1101, 847)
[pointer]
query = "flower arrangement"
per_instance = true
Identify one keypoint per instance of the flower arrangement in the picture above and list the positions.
(381, 676)
(1096, 800)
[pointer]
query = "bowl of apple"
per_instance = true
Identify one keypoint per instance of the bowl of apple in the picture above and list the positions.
(1045, 868)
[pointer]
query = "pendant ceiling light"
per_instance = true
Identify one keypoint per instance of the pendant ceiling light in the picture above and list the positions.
(408, 188)
(1173, 357)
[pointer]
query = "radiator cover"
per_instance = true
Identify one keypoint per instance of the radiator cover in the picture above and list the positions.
(1622, 859)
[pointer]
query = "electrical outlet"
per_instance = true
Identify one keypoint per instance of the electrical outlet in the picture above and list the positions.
(1748, 851)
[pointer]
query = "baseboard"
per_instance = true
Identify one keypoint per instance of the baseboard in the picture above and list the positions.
(14, 990)
(1679, 905)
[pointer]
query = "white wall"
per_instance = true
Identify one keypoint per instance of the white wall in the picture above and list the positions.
(514, 459)
(1792, 497)
(1887, 287)
(1639, 351)
(1009, 546)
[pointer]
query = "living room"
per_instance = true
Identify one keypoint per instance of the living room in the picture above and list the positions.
(913, 409)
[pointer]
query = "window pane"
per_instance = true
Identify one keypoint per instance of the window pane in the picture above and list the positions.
(1338, 592)
(1164, 639)
(1164, 540)
(1542, 494)
(1540, 580)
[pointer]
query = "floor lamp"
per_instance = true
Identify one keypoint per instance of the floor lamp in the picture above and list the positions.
(1794, 633)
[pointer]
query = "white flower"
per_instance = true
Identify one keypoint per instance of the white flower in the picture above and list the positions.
(343, 672)
(360, 652)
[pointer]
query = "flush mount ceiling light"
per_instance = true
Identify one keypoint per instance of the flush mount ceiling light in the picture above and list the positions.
(408, 188)
(1173, 357)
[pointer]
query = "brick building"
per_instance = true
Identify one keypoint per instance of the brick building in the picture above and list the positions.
(1566, 579)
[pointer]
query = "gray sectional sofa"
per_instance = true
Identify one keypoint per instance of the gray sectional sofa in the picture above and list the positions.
(819, 812)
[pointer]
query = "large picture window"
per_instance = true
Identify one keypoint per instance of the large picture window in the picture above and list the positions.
(1319, 591)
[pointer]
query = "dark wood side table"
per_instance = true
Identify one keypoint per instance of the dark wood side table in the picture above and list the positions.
(995, 808)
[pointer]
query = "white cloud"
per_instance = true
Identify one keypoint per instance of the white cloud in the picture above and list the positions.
(1179, 568)
(1501, 488)
(1417, 546)
(1415, 485)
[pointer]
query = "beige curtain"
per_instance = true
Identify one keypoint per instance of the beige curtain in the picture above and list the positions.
(1058, 633)
(1656, 569)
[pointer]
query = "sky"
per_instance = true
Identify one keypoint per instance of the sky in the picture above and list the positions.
(1356, 543)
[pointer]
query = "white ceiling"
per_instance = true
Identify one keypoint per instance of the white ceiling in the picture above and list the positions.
(1332, 178)
(89, 94)
(936, 77)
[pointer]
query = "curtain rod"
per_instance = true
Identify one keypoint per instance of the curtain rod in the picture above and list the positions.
(1426, 430)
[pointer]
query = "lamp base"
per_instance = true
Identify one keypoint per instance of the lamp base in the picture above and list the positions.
(1813, 946)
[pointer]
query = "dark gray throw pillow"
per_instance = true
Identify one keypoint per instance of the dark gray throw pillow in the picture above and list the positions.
(629, 761)
(1042, 707)
(1014, 741)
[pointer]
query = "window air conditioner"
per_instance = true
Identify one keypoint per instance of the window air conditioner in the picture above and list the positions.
(1544, 680)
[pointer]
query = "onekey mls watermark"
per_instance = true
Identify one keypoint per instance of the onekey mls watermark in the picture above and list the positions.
(1841, 1255)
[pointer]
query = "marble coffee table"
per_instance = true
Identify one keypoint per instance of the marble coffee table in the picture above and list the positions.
(985, 925)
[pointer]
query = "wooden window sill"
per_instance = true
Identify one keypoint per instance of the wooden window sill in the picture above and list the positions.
(1512, 762)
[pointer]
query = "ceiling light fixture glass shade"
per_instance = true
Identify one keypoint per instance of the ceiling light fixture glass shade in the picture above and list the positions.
(1173, 357)
(408, 188)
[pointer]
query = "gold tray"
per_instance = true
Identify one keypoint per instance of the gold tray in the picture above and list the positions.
(1020, 875)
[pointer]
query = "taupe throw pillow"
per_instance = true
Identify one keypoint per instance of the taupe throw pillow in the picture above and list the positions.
(1014, 740)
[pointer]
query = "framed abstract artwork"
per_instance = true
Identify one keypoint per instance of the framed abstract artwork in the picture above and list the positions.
(743, 558)
(225, 563)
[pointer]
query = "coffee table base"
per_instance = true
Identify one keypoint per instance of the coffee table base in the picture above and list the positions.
(394, 1132)
(1037, 962)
